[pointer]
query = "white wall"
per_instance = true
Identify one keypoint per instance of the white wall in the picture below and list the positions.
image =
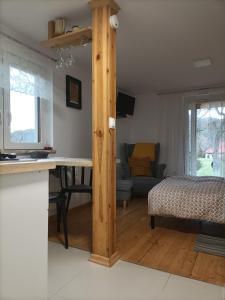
(72, 127)
(122, 133)
(157, 119)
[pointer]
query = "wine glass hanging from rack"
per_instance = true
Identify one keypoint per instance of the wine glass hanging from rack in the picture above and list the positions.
(65, 55)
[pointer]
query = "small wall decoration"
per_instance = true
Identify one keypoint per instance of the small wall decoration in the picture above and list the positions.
(73, 92)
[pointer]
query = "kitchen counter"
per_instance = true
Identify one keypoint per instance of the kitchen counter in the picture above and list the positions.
(24, 228)
(24, 166)
(71, 162)
(29, 165)
(24, 189)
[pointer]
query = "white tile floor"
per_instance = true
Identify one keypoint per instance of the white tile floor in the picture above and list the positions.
(72, 276)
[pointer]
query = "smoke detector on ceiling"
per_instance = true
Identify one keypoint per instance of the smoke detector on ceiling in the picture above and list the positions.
(202, 63)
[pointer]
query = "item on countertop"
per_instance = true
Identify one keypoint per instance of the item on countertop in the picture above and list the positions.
(7, 156)
(39, 154)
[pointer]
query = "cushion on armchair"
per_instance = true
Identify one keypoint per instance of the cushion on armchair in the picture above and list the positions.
(128, 150)
(144, 150)
(140, 167)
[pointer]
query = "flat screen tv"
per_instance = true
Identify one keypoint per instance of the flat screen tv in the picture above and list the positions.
(124, 105)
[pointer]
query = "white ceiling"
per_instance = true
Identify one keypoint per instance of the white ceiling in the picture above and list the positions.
(157, 39)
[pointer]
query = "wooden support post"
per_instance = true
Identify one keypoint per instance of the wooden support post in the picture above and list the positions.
(104, 250)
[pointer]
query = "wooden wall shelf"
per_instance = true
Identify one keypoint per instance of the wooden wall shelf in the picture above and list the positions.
(69, 39)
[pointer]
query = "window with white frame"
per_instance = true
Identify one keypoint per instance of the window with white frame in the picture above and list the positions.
(26, 102)
(205, 154)
(1, 119)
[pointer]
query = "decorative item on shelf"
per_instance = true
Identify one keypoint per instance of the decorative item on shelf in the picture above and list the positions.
(59, 26)
(84, 40)
(65, 58)
(73, 92)
(76, 28)
(56, 28)
(77, 37)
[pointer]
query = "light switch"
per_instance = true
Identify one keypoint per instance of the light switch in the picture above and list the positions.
(112, 123)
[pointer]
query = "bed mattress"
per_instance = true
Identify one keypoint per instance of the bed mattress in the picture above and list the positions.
(189, 197)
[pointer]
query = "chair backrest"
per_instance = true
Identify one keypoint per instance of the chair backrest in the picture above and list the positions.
(69, 176)
(55, 182)
(129, 148)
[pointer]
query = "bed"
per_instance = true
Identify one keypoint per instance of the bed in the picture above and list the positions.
(189, 197)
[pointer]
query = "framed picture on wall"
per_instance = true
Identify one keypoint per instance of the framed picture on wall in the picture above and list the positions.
(73, 92)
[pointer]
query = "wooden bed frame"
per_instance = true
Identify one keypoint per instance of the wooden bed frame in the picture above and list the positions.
(152, 222)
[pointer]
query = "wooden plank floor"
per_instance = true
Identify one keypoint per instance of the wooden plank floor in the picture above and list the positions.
(168, 248)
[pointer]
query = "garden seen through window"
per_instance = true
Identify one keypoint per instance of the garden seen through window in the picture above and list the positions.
(207, 139)
(24, 108)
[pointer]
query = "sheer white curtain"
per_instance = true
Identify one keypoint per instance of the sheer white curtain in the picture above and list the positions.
(205, 135)
(26, 61)
(172, 133)
(25, 73)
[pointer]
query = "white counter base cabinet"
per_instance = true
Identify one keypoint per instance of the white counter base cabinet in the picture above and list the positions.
(24, 236)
